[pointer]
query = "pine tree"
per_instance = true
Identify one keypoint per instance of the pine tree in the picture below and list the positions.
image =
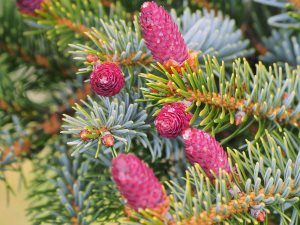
(165, 112)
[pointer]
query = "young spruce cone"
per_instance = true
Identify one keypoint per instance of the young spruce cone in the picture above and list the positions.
(161, 34)
(202, 148)
(172, 120)
(138, 184)
(107, 79)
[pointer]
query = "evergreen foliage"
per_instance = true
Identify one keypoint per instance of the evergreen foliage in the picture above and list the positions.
(50, 115)
(282, 47)
(288, 17)
(72, 188)
(123, 120)
(212, 33)
(218, 98)
(263, 180)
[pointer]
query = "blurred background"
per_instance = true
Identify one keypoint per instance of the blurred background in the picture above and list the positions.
(13, 212)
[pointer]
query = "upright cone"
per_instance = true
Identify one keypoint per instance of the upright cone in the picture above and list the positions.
(107, 79)
(203, 149)
(138, 184)
(161, 34)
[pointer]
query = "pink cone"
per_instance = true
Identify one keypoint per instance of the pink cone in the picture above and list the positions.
(137, 182)
(172, 120)
(202, 148)
(161, 34)
(107, 79)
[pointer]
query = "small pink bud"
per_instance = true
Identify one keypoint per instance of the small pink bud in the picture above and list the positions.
(84, 135)
(91, 58)
(259, 215)
(239, 116)
(108, 140)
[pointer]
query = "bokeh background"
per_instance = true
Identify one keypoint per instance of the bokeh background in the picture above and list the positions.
(13, 213)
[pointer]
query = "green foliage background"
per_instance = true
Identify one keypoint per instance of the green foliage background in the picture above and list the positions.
(248, 64)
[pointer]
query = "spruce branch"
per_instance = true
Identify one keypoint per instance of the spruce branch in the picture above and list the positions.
(22, 49)
(67, 22)
(127, 48)
(126, 120)
(15, 144)
(282, 47)
(38, 60)
(18, 91)
(201, 27)
(119, 118)
(288, 18)
(66, 190)
(236, 206)
(263, 179)
(214, 98)
(119, 42)
(232, 104)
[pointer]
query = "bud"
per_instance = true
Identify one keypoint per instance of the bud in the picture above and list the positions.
(239, 117)
(84, 135)
(91, 58)
(258, 214)
(161, 34)
(108, 139)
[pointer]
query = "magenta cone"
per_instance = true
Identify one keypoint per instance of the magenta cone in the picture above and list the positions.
(161, 34)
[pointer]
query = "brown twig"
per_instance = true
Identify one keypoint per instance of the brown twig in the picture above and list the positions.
(231, 103)
(76, 27)
(128, 61)
(235, 206)
(74, 219)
